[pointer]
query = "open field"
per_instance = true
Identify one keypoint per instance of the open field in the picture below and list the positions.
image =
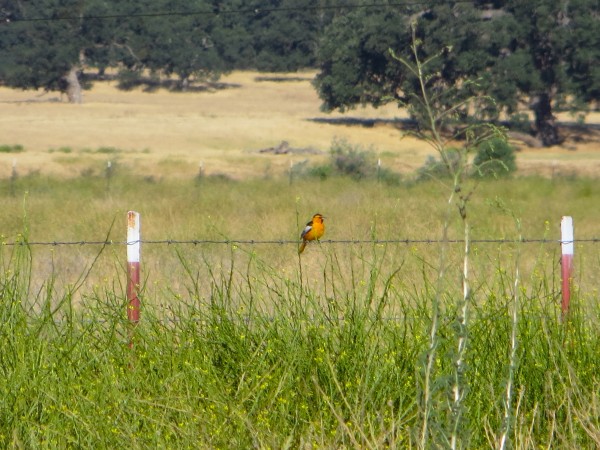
(82, 209)
(165, 134)
(248, 345)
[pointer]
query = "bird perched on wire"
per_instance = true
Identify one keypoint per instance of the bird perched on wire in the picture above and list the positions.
(313, 230)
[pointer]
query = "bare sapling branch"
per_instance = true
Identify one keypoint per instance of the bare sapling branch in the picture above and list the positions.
(438, 108)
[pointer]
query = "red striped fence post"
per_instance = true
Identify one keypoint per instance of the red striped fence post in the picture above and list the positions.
(133, 266)
(567, 246)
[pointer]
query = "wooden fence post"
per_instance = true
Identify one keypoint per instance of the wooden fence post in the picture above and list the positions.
(133, 266)
(567, 246)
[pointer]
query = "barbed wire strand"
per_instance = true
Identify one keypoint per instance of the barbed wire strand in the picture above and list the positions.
(295, 242)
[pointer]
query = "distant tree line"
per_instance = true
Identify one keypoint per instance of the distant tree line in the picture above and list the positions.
(541, 54)
(48, 43)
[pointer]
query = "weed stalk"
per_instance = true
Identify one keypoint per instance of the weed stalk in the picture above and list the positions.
(427, 108)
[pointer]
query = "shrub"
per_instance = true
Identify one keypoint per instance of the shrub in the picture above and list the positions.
(435, 167)
(389, 177)
(495, 157)
(323, 172)
(11, 148)
(352, 161)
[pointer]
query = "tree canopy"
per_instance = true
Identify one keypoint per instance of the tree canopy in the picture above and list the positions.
(541, 55)
(44, 53)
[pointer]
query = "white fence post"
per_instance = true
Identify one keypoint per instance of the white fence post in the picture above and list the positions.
(567, 246)
(133, 266)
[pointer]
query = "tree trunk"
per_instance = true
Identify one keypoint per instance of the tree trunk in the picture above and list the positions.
(184, 83)
(73, 87)
(545, 122)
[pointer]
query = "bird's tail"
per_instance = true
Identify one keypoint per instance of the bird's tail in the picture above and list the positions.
(302, 246)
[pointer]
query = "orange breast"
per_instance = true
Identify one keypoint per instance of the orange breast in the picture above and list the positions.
(317, 230)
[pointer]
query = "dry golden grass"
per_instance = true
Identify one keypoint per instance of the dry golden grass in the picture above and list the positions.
(165, 134)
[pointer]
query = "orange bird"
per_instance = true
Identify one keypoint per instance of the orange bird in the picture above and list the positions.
(313, 230)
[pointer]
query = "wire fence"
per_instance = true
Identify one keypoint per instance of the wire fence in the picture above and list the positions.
(295, 242)
(165, 271)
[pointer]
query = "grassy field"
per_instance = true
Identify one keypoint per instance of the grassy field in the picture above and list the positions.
(49, 210)
(165, 134)
(246, 345)
(360, 343)
(170, 134)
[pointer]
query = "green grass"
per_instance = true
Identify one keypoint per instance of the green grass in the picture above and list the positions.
(245, 346)
(297, 367)
(101, 150)
(61, 150)
(11, 148)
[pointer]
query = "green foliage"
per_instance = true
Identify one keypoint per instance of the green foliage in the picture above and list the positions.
(43, 53)
(129, 79)
(196, 46)
(11, 148)
(61, 150)
(495, 157)
(284, 40)
(520, 122)
(337, 366)
(515, 52)
(181, 45)
(388, 176)
(322, 171)
(353, 161)
(354, 52)
(436, 168)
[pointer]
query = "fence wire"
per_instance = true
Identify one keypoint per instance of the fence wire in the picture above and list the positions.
(289, 241)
